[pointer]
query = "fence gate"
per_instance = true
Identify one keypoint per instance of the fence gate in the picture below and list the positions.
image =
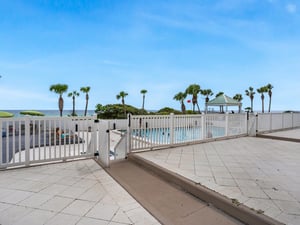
(27, 141)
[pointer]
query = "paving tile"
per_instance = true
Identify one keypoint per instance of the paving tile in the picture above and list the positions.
(246, 183)
(5, 192)
(289, 207)
(226, 182)
(56, 204)
(72, 192)
(16, 197)
(103, 211)
(64, 219)
(95, 193)
(79, 207)
(92, 221)
(12, 214)
(276, 194)
(35, 200)
(68, 181)
(85, 183)
(35, 217)
(54, 189)
(4, 206)
(121, 217)
(289, 219)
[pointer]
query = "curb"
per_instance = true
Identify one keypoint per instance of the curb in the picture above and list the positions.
(278, 138)
(238, 211)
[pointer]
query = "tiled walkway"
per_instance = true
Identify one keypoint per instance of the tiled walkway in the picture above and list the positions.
(261, 173)
(78, 192)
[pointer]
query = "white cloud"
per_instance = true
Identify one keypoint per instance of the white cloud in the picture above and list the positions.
(291, 8)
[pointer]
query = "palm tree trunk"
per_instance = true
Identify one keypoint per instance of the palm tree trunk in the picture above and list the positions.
(198, 108)
(60, 105)
(124, 109)
(270, 98)
(262, 103)
(143, 102)
(86, 104)
(251, 105)
(73, 113)
(182, 107)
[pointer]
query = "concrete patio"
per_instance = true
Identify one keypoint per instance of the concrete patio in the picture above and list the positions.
(77, 192)
(262, 174)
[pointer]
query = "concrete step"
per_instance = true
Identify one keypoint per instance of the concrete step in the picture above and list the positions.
(165, 201)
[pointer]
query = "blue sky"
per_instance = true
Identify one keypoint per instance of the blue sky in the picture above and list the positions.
(161, 46)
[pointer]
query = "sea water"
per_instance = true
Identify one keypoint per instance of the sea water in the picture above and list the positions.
(53, 113)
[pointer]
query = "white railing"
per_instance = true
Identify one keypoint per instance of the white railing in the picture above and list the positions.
(267, 122)
(147, 132)
(31, 140)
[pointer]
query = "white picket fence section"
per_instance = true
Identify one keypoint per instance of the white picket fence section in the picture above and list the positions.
(276, 121)
(147, 132)
(27, 141)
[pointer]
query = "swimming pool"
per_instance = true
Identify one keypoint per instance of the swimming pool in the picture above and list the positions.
(163, 135)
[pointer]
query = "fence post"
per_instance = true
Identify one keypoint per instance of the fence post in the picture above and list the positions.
(1, 144)
(271, 122)
(226, 123)
(246, 122)
(128, 145)
(256, 120)
(203, 122)
(94, 147)
(27, 141)
(172, 128)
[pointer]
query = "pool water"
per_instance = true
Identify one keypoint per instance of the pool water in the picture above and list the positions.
(163, 135)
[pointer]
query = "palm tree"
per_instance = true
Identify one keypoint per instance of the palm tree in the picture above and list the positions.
(59, 89)
(122, 95)
(143, 92)
(73, 94)
(250, 92)
(220, 93)
(194, 90)
(206, 93)
(270, 87)
(180, 97)
(239, 98)
(86, 90)
(261, 91)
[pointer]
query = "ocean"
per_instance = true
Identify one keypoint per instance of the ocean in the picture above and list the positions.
(53, 112)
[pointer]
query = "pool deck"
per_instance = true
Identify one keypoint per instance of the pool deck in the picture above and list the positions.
(263, 174)
(77, 192)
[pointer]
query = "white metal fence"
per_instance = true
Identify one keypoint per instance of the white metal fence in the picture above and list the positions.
(30, 140)
(268, 122)
(147, 132)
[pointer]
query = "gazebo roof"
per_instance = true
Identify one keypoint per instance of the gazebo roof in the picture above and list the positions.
(223, 100)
